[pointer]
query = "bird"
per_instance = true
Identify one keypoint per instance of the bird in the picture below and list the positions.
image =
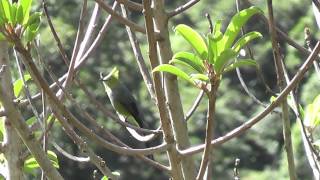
(121, 98)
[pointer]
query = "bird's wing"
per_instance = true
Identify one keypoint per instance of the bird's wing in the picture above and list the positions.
(129, 102)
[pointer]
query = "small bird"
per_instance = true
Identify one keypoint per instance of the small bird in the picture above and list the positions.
(121, 98)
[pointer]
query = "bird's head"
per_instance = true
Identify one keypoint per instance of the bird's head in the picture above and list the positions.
(111, 79)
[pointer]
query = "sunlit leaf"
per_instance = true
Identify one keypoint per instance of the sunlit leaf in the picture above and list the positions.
(240, 63)
(245, 39)
(173, 70)
(31, 120)
(200, 77)
(189, 59)
(5, 5)
(13, 11)
(104, 178)
(26, 5)
(1, 128)
(194, 39)
(312, 113)
(236, 23)
(19, 15)
(223, 59)
(18, 85)
(31, 163)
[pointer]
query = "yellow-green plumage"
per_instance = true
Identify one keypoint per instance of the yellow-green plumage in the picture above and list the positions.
(120, 96)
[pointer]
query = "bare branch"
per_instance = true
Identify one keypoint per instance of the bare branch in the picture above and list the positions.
(55, 34)
(137, 52)
(161, 102)
(182, 8)
(131, 5)
(68, 155)
(25, 134)
(248, 124)
(195, 105)
(282, 84)
(122, 20)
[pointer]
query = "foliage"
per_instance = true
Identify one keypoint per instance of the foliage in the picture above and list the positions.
(15, 19)
(217, 49)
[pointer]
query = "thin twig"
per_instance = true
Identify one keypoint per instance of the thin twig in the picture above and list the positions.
(68, 155)
(41, 83)
(195, 105)
(182, 8)
(251, 122)
(55, 34)
(140, 60)
(80, 33)
(131, 5)
(121, 19)
(282, 84)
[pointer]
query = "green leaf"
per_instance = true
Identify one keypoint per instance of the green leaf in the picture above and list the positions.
(32, 27)
(212, 49)
(18, 85)
(188, 59)
(1, 128)
(200, 77)
(312, 113)
(19, 15)
(34, 20)
(31, 163)
(236, 24)
(6, 8)
(173, 70)
(104, 178)
(245, 39)
(194, 39)
(13, 11)
(2, 37)
(26, 5)
(223, 59)
(240, 63)
(53, 158)
(31, 120)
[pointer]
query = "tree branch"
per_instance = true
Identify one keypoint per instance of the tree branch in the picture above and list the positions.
(161, 104)
(248, 124)
(182, 8)
(194, 106)
(140, 61)
(282, 84)
(131, 5)
(122, 20)
(25, 134)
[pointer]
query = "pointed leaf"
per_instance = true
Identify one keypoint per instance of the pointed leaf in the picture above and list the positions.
(236, 23)
(18, 85)
(200, 77)
(189, 59)
(6, 8)
(26, 5)
(245, 39)
(173, 70)
(19, 15)
(13, 11)
(194, 39)
(223, 59)
(240, 63)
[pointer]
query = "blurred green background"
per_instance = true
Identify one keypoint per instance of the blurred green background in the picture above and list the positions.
(260, 149)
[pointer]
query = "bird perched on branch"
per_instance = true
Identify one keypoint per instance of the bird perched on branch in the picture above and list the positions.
(121, 98)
